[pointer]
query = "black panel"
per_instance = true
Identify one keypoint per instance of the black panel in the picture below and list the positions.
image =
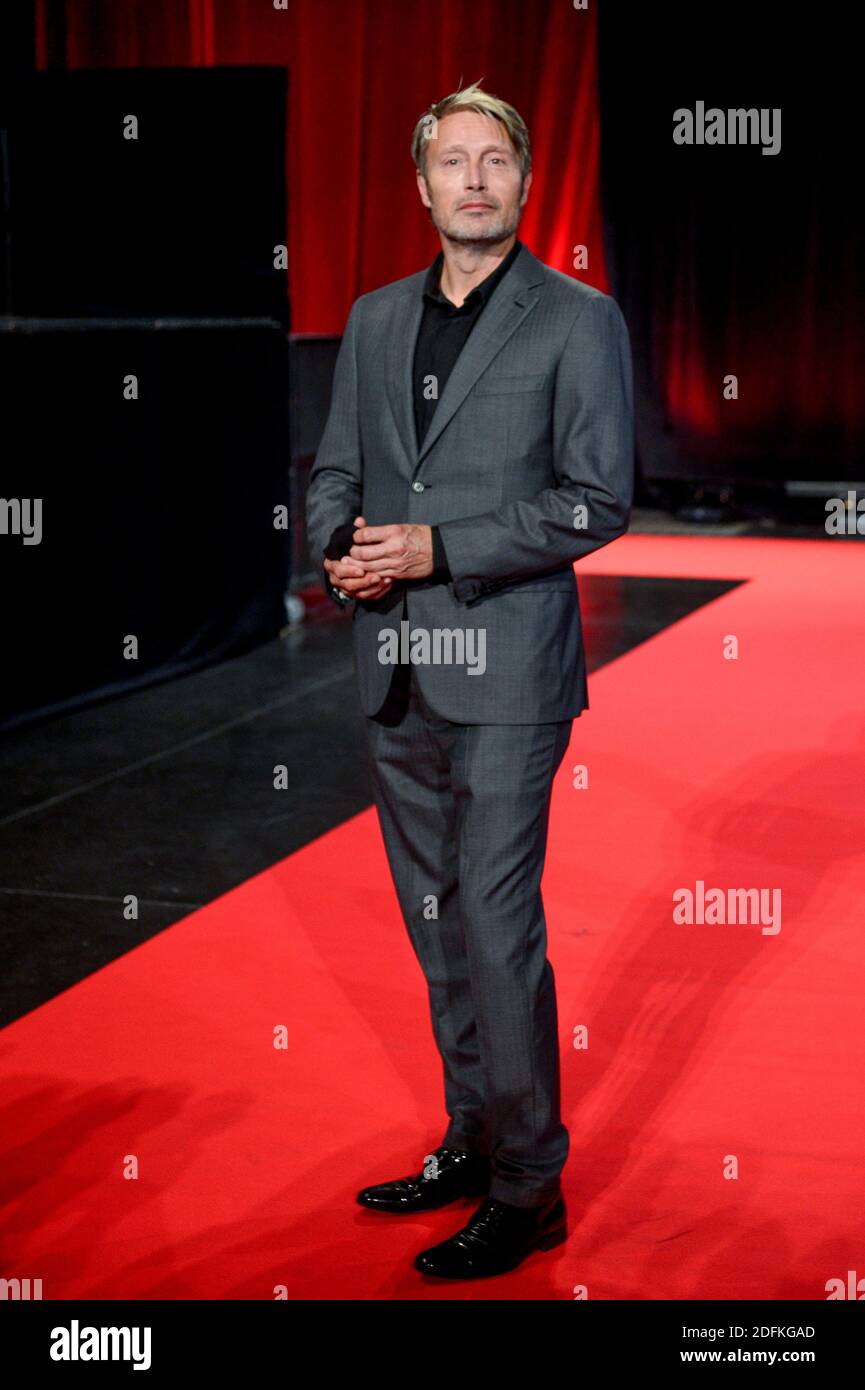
(182, 220)
(157, 513)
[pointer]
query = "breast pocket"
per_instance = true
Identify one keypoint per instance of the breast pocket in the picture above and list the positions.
(490, 385)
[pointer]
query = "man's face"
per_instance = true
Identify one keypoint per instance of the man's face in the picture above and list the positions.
(473, 187)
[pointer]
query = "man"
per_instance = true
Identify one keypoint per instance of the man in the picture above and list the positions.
(479, 441)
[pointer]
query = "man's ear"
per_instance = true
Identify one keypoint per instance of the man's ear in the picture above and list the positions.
(422, 189)
(527, 183)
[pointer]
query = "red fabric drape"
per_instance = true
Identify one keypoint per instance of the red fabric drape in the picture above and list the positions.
(361, 72)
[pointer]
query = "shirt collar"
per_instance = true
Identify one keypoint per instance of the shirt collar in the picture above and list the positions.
(480, 294)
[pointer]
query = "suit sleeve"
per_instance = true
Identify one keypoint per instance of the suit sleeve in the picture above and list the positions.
(335, 486)
(593, 461)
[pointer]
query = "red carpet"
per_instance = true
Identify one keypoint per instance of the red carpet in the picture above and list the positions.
(705, 1041)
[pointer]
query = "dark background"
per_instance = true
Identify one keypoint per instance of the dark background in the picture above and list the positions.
(725, 260)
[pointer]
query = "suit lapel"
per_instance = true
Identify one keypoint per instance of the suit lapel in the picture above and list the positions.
(400, 354)
(513, 299)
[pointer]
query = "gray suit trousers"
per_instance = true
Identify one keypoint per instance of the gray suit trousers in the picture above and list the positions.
(464, 810)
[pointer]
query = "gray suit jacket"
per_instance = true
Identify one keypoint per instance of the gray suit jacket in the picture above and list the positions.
(527, 466)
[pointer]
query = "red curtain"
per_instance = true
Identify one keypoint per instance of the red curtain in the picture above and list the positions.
(361, 72)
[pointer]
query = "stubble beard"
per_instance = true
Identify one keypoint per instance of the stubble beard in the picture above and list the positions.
(494, 230)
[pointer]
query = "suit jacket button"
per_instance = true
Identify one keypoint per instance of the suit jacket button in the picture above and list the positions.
(417, 487)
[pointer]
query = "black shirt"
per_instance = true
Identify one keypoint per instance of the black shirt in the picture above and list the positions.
(444, 328)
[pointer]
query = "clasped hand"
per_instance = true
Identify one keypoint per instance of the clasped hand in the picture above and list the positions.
(380, 555)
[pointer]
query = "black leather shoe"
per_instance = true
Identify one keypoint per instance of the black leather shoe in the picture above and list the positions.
(453, 1174)
(498, 1238)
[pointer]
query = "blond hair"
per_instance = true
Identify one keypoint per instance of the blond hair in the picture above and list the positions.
(472, 98)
